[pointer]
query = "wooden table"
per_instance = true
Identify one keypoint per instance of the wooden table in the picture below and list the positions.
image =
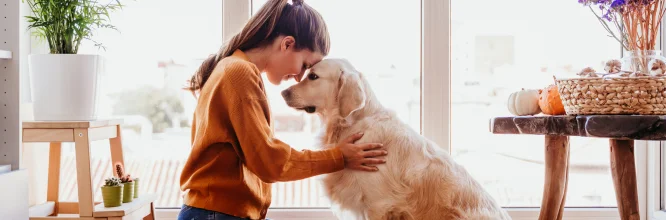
(82, 133)
(622, 130)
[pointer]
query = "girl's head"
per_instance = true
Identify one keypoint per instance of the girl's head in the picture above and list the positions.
(294, 37)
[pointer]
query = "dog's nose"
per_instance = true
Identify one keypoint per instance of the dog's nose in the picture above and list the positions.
(286, 93)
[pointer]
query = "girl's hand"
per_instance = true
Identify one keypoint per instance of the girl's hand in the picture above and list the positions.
(361, 156)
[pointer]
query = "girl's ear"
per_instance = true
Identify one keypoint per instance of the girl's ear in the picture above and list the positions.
(287, 42)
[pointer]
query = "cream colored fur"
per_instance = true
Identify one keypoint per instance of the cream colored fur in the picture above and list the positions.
(419, 181)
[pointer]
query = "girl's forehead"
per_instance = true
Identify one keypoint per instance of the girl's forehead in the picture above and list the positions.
(314, 57)
(325, 66)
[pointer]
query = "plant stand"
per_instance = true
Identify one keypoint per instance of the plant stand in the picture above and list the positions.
(82, 133)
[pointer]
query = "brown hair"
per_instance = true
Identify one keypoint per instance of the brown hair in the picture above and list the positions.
(275, 18)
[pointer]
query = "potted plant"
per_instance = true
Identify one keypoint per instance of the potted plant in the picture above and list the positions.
(635, 25)
(136, 187)
(128, 184)
(112, 192)
(64, 83)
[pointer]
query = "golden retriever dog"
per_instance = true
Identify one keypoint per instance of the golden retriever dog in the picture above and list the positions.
(419, 181)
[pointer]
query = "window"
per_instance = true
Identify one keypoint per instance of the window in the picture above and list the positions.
(388, 54)
(656, 180)
(149, 62)
(496, 51)
(660, 162)
(160, 44)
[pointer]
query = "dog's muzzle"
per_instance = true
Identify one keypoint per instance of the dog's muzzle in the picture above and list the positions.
(286, 94)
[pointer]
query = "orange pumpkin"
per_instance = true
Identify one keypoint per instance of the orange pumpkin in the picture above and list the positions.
(550, 102)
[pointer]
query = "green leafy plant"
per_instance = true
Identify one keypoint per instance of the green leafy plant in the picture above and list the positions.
(112, 181)
(65, 23)
(124, 178)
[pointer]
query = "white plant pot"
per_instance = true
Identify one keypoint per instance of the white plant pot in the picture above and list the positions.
(65, 86)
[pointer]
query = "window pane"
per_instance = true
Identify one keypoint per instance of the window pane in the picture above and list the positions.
(384, 46)
(498, 49)
(662, 177)
(160, 44)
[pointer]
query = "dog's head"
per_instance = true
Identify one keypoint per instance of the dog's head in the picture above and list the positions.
(333, 85)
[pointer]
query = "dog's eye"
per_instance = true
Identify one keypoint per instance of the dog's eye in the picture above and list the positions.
(312, 76)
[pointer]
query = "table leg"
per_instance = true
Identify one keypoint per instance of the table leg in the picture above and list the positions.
(151, 216)
(116, 147)
(54, 175)
(623, 169)
(83, 173)
(556, 179)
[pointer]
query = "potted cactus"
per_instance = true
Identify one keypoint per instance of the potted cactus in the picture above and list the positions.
(136, 187)
(112, 192)
(128, 184)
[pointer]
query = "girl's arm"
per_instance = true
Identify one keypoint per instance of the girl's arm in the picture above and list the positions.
(270, 159)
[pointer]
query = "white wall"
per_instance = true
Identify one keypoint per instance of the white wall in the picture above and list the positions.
(14, 190)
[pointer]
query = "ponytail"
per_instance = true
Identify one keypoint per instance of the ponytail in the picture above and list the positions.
(275, 18)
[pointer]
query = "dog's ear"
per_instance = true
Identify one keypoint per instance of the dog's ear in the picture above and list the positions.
(351, 96)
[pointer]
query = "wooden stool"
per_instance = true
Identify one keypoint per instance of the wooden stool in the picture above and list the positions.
(82, 133)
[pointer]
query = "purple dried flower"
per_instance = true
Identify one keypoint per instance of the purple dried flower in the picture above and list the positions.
(588, 2)
(608, 16)
(618, 3)
(594, 2)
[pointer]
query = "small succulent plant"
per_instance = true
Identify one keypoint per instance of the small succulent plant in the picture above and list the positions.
(112, 181)
(124, 178)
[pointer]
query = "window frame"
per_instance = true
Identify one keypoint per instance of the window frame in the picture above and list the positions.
(655, 170)
(435, 106)
(655, 167)
(435, 119)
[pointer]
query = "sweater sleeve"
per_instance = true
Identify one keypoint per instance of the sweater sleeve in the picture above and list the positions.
(269, 158)
(194, 129)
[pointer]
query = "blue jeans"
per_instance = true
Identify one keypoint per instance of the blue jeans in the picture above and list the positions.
(192, 213)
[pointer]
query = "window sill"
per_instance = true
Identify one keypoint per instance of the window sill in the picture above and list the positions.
(326, 214)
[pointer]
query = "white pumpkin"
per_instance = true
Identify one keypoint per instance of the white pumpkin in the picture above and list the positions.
(524, 102)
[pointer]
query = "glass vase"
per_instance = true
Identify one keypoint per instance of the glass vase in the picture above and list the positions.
(641, 61)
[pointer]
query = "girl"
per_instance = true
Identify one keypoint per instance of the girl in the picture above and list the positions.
(234, 157)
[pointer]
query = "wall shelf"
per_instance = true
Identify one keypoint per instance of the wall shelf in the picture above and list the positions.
(5, 54)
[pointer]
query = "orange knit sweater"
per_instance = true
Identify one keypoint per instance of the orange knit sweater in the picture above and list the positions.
(234, 157)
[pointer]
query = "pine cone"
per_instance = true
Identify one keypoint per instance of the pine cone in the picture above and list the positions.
(588, 72)
(613, 66)
(657, 68)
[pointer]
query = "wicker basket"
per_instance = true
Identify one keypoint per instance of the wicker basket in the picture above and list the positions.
(613, 96)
